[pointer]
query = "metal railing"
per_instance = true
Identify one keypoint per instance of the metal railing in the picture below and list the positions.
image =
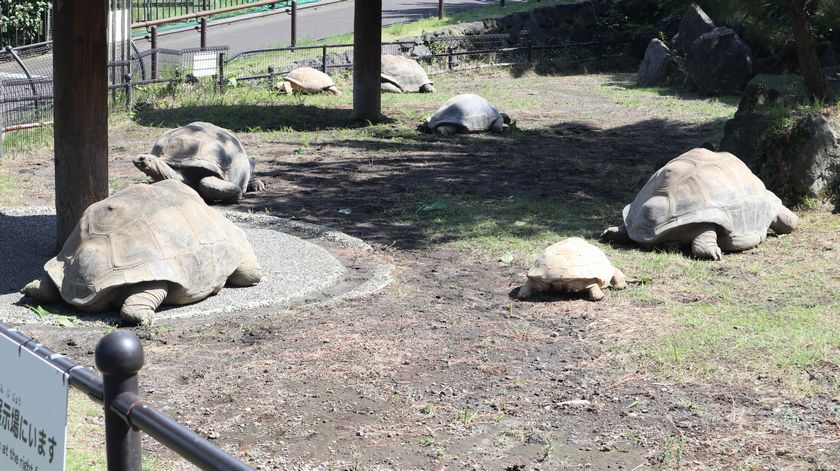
(119, 356)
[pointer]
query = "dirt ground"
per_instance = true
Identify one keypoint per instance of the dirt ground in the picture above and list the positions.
(443, 369)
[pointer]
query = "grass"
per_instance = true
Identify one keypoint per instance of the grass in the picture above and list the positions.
(664, 102)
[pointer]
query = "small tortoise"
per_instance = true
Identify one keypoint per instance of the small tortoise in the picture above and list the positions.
(143, 246)
(465, 113)
(707, 200)
(206, 157)
(308, 80)
(572, 265)
(403, 75)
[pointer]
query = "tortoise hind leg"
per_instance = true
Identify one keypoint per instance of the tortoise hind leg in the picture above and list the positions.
(43, 289)
(254, 184)
(141, 301)
(704, 245)
(248, 273)
(216, 189)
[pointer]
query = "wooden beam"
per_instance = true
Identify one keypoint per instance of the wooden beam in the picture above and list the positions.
(367, 60)
(80, 77)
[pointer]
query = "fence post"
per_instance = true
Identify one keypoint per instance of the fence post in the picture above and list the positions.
(324, 59)
(128, 91)
(449, 60)
(153, 31)
(203, 31)
(222, 72)
(119, 356)
(294, 23)
(271, 74)
(501, 3)
(441, 8)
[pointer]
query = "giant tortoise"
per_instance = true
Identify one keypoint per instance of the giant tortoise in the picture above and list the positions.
(465, 113)
(707, 200)
(401, 74)
(143, 246)
(572, 265)
(206, 157)
(308, 80)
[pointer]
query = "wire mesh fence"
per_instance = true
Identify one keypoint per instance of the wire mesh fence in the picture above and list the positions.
(26, 73)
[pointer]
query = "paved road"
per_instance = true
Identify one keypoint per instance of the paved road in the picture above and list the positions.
(314, 23)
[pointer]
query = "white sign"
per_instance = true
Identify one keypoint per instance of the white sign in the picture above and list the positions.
(204, 63)
(33, 410)
(118, 26)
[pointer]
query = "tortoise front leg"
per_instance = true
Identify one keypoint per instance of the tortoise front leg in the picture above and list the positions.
(248, 273)
(704, 245)
(498, 125)
(254, 184)
(216, 189)
(446, 129)
(784, 222)
(618, 280)
(43, 289)
(525, 291)
(594, 293)
(141, 302)
(427, 88)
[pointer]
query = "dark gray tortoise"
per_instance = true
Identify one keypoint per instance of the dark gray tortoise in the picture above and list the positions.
(144, 246)
(709, 201)
(401, 74)
(206, 157)
(465, 113)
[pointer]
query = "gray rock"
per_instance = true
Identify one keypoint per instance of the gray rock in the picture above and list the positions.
(719, 62)
(743, 135)
(828, 56)
(806, 165)
(419, 51)
(654, 68)
(694, 24)
(476, 27)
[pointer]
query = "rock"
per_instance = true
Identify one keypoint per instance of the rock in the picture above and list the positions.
(743, 134)
(719, 62)
(654, 68)
(806, 165)
(476, 27)
(694, 24)
(419, 51)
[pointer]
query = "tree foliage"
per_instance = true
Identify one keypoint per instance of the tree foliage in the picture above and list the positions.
(21, 21)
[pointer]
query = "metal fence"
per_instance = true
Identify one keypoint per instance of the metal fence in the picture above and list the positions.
(119, 356)
(11, 35)
(26, 73)
(149, 10)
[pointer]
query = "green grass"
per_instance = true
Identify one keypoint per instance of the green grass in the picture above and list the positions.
(664, 102)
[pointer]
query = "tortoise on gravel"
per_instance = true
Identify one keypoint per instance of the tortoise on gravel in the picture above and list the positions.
(572, 265)
(143, 246)
(307, 80)
(465, 113)
(403, 75)
(206, 157)
(707, 200)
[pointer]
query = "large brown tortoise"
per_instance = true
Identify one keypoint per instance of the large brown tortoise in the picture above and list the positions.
(707, 200)
(307, 80)
(206, 157)
(401, 74)
(144, 246)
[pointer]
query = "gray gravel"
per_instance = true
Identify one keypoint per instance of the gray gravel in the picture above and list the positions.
(295, 271)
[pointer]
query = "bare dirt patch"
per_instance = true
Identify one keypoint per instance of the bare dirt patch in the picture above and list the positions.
(443, 369)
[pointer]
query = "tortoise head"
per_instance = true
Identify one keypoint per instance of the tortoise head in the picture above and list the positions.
(156, 168)
(505, 118)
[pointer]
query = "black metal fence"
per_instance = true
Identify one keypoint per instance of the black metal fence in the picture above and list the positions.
(14, 35)
(149, 10)
(26, 73)
(119, 356)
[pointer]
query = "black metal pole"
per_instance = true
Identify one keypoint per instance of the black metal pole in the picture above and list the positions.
(501, 3)
(222, 72)
(324, 59)
(153, 31)
(203, 30)
(128, 91)
(294, 23)
(119, 356)
(441, 8)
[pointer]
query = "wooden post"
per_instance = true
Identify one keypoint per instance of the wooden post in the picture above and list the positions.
(80, 74)
(367, 60)
(441, 9)
(202, 29)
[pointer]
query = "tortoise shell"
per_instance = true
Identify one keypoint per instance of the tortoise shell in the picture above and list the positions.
(701, 186)
(309, 80)
(403, 72)
(571, 264)
(201, 149)
(467, 111)
(162, 231)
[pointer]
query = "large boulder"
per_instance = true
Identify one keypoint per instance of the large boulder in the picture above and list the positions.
(719, 62)
(694, 24)
(655, 66)
(744, 134)
(806, 165)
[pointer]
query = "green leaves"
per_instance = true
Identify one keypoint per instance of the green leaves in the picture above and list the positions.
(42, 313)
